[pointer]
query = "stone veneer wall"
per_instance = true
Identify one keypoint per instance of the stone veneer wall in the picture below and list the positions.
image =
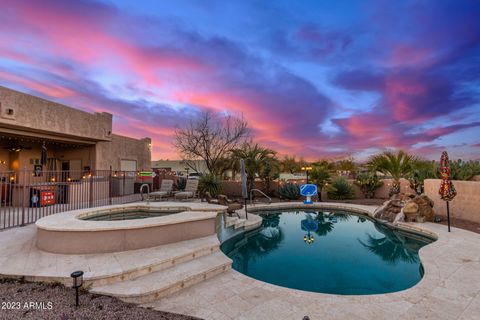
(466, 204)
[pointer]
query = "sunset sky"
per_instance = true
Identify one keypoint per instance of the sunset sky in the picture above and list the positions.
(313, 78)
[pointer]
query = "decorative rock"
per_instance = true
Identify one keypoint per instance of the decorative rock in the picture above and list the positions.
(425, 208)
(410, 210)
(389, 210)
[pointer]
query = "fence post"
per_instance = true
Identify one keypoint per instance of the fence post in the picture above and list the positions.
(123, 189)
(110, 183)
(91, 190)
(23, 194)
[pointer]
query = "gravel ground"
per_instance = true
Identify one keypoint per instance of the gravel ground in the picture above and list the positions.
(462, 224)
(28, 300)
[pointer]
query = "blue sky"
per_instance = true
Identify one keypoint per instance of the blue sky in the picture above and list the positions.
(318, 79)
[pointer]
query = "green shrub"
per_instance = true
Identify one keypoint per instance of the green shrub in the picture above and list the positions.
(289, 191)
(340, 189)
(422, 170)
(210, 183)
(368, 183)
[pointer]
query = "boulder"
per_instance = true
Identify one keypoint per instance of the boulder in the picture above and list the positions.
(410, 210)
(425, 208)
(389, 210)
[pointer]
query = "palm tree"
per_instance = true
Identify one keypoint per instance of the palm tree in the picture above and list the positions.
(320, 176)
(397, 165)
(257, 160)
(290, 165)
(393, 246)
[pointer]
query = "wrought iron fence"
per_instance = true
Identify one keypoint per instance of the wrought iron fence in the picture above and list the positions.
(26, 196)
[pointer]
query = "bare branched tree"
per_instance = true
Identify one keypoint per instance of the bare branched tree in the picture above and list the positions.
(210, 137)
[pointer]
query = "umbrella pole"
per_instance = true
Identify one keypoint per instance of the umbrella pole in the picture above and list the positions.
(246, 211)
(448, 216)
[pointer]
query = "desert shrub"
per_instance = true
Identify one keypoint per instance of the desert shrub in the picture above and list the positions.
(340, 189)
(180, 184)
(420, 171)
(210, 183)
(368, 182)
(464, 170)
(289, 191)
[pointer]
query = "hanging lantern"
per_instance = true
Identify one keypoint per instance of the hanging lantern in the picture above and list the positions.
(43, 156)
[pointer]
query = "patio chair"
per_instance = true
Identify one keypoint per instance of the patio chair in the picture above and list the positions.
(210, 199)
(190, 190)
(231, 205)
(165, 190)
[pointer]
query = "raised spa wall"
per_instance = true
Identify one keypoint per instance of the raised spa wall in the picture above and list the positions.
(66, 234)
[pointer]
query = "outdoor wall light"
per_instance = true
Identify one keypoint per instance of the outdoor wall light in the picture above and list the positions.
(77, 277)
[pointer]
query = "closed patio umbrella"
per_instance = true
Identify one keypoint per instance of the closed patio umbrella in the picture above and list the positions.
(447, 190)
(244, 185)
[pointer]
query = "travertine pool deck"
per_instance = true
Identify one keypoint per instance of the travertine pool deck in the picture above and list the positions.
(450, 288)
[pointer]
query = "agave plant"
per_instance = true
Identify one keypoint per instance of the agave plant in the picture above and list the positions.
(397, 165)
(289, 191)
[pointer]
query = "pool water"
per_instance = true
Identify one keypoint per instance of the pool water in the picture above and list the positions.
(129, 214)
(329, 252)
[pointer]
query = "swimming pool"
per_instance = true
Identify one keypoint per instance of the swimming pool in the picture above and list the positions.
(334, 252)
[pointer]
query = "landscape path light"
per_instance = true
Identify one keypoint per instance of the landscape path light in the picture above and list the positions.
(77, 277)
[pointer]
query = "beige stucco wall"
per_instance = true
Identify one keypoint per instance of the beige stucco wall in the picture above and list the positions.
(123, 148)
(33, 113)
(466, 205)
(179, 165)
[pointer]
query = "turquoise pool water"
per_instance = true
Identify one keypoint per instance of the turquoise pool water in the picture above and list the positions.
(329, 252)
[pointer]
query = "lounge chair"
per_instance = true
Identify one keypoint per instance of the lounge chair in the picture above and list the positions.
(190, 190)
(210, 199)
(231, 205)
(165, 190)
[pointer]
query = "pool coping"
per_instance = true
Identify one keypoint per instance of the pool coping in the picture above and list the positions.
(72, 221)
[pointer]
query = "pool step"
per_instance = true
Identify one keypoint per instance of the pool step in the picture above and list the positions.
(139, 263)
(230, 221)
(161, 283)
(234, 222)
(240, 223)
